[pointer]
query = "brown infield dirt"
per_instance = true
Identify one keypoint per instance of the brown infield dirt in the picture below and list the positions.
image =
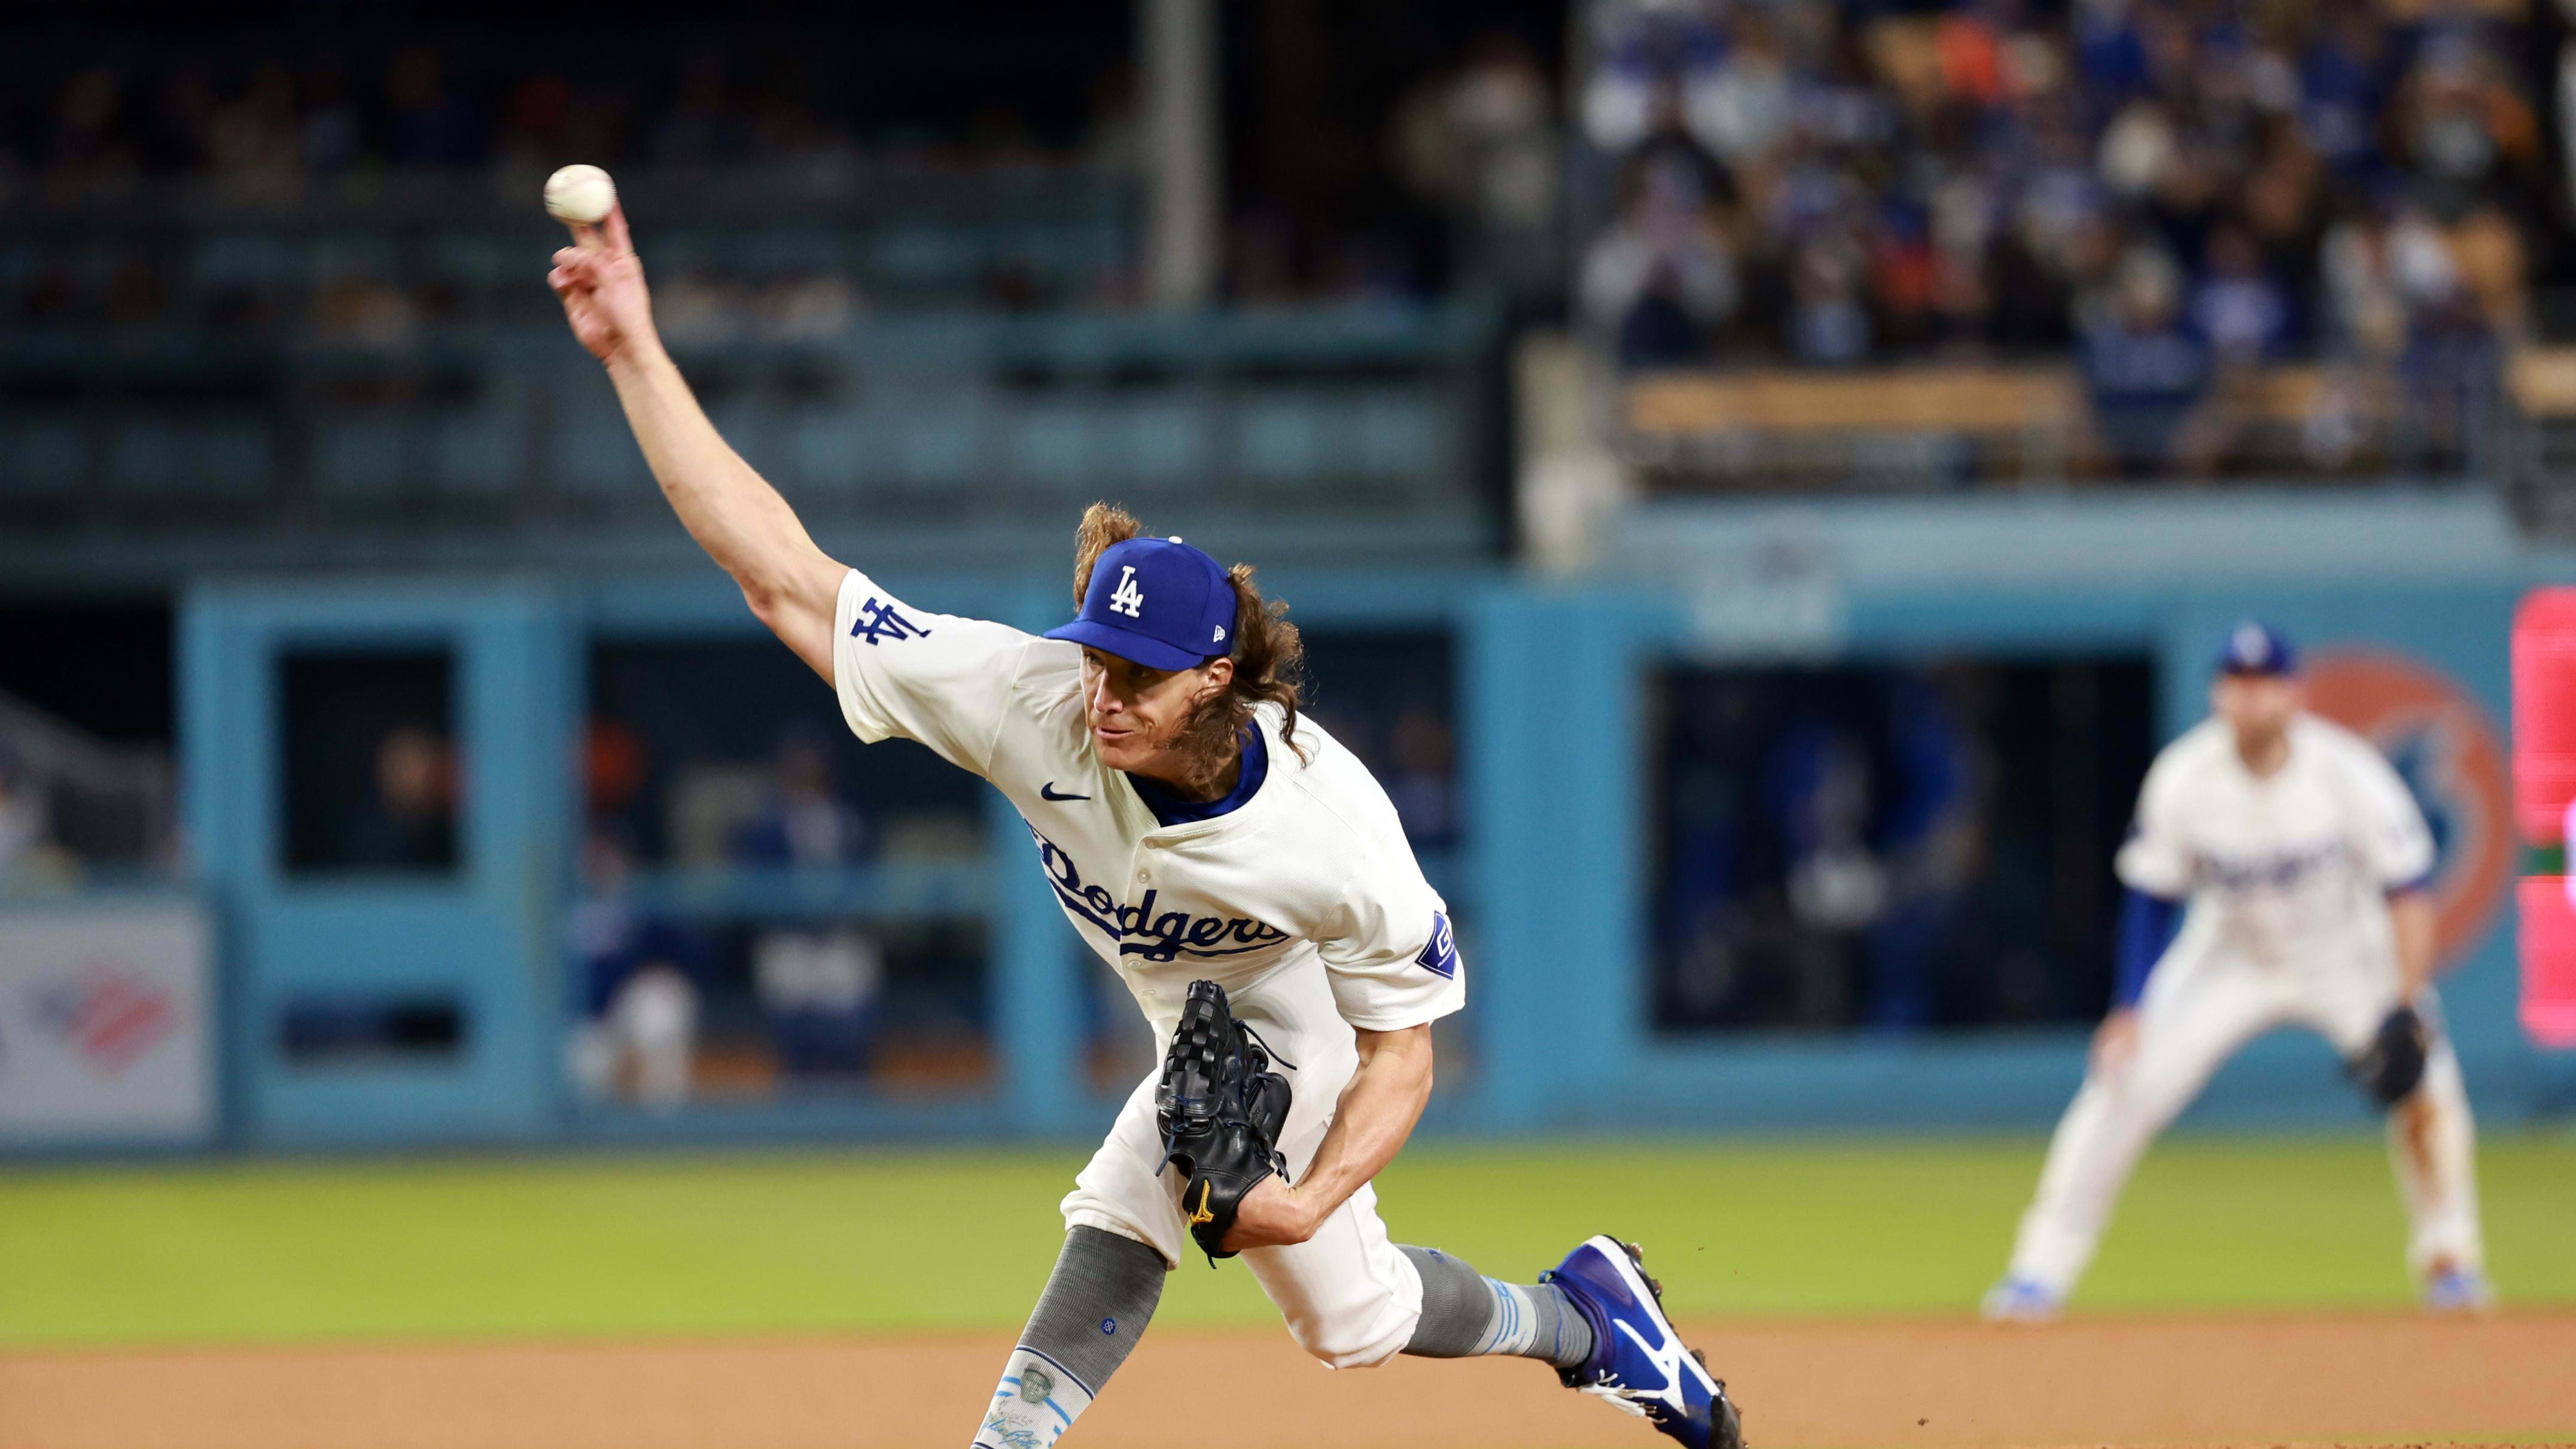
(2378, 1378)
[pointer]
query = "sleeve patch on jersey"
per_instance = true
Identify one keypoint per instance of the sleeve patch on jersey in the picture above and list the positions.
(879, 621)
(1440, 955)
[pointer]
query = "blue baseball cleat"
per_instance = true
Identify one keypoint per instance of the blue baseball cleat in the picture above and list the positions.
(2020, 1300)
(1638, 1364)
(2457, 1290)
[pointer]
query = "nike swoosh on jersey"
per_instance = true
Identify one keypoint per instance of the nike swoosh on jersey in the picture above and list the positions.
(1047, 792)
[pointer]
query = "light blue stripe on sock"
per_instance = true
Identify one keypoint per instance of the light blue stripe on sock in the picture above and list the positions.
(1513, 1329)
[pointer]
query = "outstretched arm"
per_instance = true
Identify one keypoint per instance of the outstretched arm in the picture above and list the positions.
(727, 507)
(1376, 1113)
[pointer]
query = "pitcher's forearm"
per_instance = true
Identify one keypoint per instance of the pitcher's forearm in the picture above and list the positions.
(727, 507)
(733, 513)
(1377, 1112)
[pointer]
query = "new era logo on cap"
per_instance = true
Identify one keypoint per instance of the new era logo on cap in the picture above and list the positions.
(1156, 601)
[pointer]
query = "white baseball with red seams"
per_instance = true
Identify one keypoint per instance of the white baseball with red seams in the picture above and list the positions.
(1305, 904)
(580, 195)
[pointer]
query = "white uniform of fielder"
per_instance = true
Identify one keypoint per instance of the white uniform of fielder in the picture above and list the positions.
(2287, 877)
(1305, 904)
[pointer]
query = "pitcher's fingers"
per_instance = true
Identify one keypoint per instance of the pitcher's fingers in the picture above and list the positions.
(561, 281)
(587, 237)
(620, 242)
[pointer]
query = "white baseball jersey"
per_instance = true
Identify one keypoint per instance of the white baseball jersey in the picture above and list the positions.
(1312, 873)
(2287, 875)
(2286, 864)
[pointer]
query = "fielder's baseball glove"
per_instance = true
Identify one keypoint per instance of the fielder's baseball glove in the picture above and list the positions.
(1221, 1109)
(2392, 1066)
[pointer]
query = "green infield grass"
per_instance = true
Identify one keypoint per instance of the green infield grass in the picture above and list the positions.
(901, 1239)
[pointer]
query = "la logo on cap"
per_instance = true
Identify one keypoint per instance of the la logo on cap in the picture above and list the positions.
(1127, 599)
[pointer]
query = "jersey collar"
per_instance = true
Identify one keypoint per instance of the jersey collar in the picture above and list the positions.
(1283, 760)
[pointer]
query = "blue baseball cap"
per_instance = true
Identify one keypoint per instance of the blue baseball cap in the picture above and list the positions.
(2254, 647)
(1156, 601)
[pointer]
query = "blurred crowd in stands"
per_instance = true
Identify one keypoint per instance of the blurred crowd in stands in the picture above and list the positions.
(2175, 191)
(1450, 182)
(268, 131)
(1453, 177)
(329, 139)
(2171, 200)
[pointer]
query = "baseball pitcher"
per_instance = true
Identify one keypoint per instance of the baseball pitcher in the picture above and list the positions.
(1243, 875)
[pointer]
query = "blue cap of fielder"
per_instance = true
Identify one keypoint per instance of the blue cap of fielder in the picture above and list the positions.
(2254, 647)
(1156, 601)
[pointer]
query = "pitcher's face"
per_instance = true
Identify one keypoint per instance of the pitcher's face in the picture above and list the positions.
(1136, 712)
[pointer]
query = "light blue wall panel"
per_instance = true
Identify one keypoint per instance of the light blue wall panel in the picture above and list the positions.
(1557, 860)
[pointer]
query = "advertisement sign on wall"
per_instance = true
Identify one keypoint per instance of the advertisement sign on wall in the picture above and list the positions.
(105, 1024)
(2452, 758)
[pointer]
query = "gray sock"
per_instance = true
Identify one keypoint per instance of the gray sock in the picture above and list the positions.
(1466, 1315)
(1094, 1307)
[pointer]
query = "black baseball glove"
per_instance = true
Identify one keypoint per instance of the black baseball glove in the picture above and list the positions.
(2392, 1066)
(1221, 1109)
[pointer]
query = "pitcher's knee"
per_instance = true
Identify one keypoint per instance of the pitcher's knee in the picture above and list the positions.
(1340, 1349)
(1356, 1340)
(1082, 1210)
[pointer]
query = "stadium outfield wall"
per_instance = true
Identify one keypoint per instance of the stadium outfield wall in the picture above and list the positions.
(2403, 598)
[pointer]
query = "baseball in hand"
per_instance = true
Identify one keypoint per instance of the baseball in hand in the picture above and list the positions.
(580, 195)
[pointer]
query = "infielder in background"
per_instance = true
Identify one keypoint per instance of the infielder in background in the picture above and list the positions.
(1193, 824)
(2304, 861)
